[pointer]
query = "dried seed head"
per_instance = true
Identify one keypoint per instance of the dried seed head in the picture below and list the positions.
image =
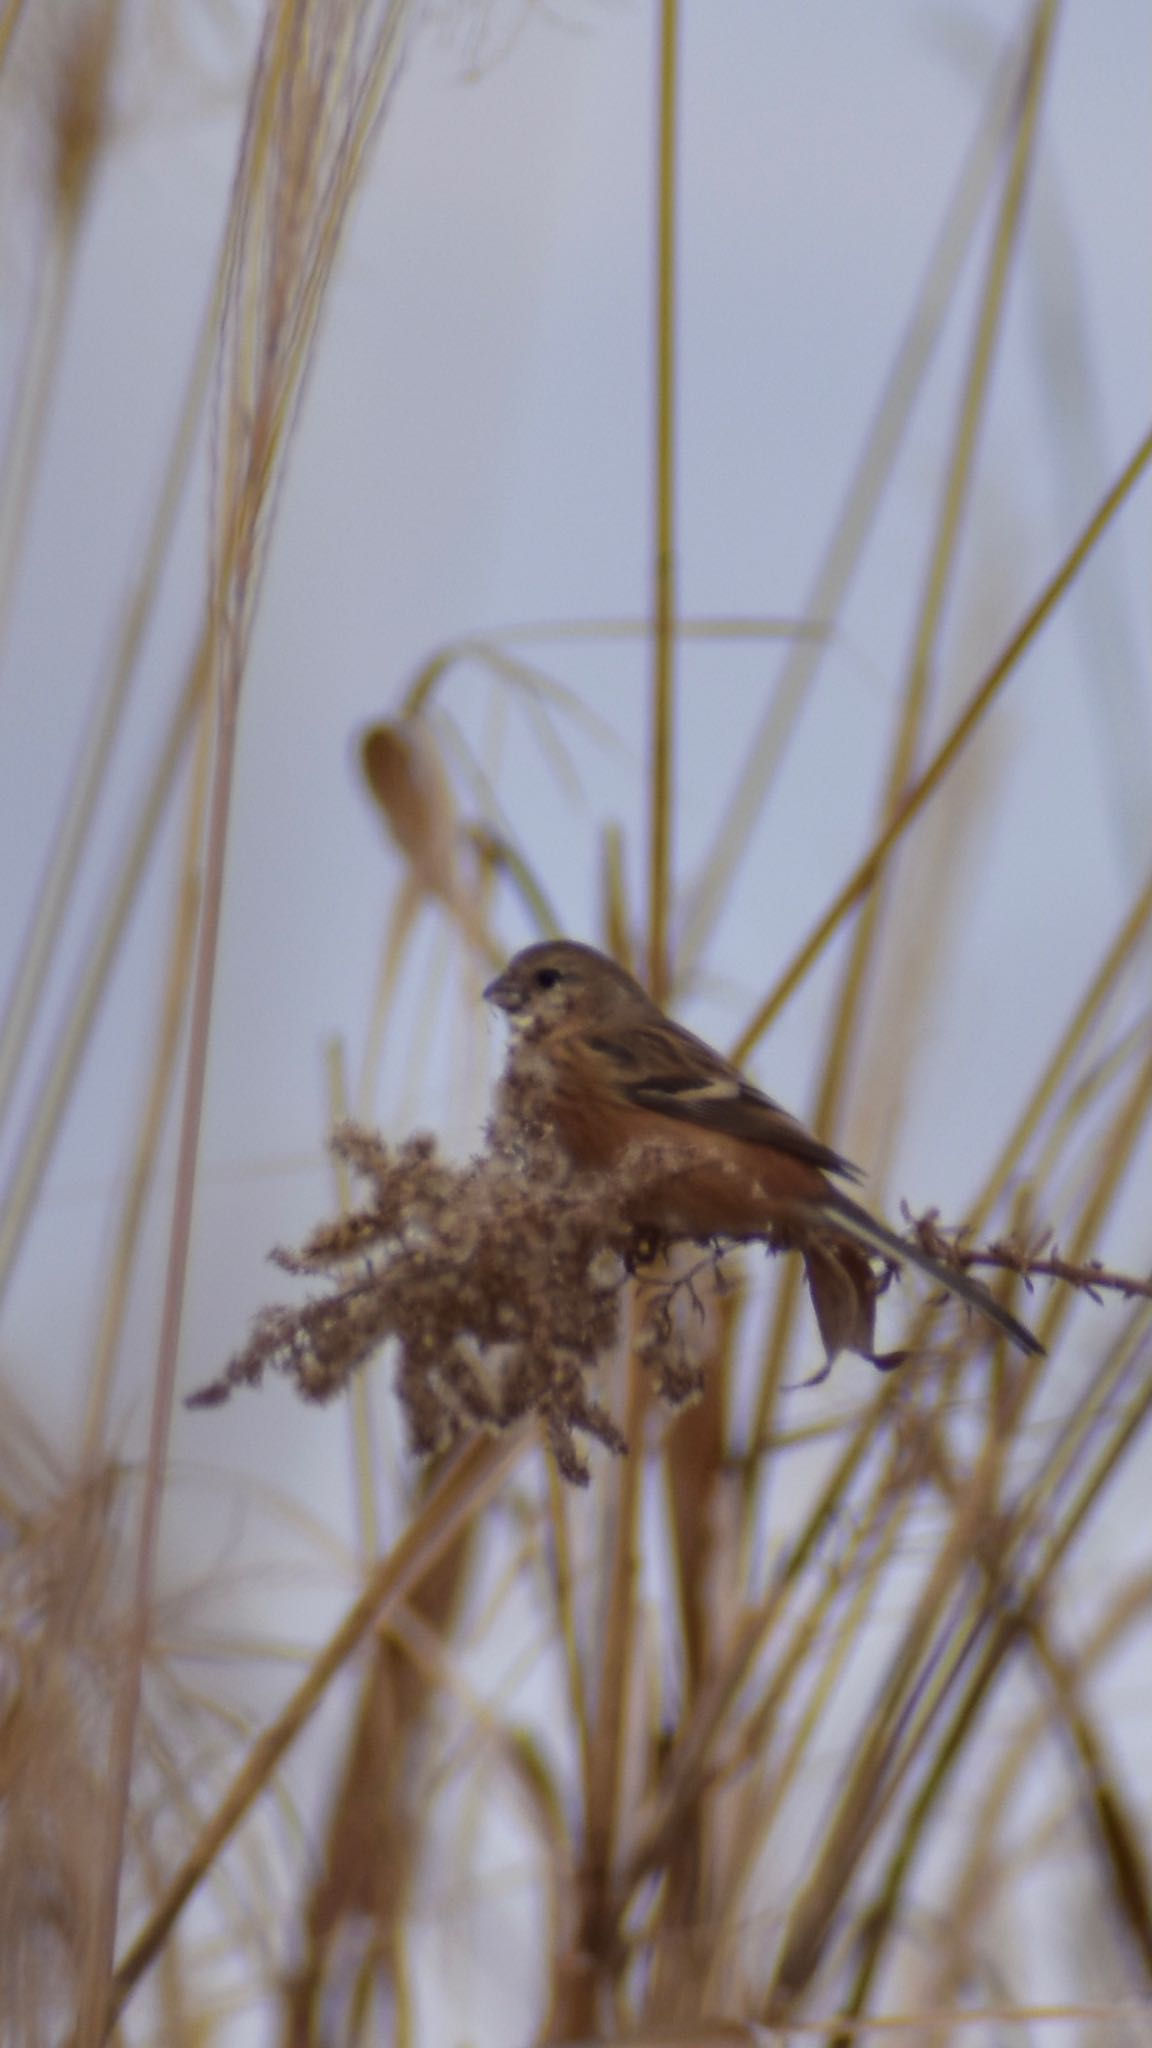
(63, 89)
(408, 780)
(499, 1283)
(405, 773)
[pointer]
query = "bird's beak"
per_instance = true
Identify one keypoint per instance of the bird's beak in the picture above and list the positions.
(502, 994)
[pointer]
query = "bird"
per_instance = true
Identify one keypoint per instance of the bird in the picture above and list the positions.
(609, 1072)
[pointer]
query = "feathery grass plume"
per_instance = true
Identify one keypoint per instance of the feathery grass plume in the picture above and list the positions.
(65, 1631)
(58, 1647)
(322, 79)
(61, 1635)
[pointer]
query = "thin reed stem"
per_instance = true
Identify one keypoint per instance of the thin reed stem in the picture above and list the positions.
(1132, 933)
(664, 593)
(958, 471)
(98, 1974)
(360, 1400)
(25, 439)
(86, 994)
(78, 809)
(162, 1080)
(9, 19)
(924, 788)
(866, 490)
(469, 1483)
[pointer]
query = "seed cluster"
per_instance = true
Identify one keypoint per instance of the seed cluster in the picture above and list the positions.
(500, 1284)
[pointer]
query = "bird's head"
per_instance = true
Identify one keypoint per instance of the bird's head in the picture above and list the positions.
(546, 984)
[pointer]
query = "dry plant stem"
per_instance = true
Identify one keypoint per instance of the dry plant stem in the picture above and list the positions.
(492, 841)
(98, 1971)
(877, 1765)
(502, 857)
(691, 1763)
(1126, 1131)
(77, 811)
(160, 1086)
(1087, 1279)
(768, 1393)
(865, 492)
(374, 1833)
(1120, 952)
(402, 767)
(983, 1866)
(598, 1933)
(849, 1006)
(1128, 1127)
(698, 1480)
(761, 1803)
(1017, 1608)
(360, 1393)
(930, 897)
(1078, 1439)
(615, 918)
(850, 1003)
(559, 1499)
(470, 1482)
(921, 2024)
(983, 697)
(707, 626)
(950, 1746)
(546, 1808)
(312, 110)
(1085, 1091)
(1042, 1503)
(1130, 1365)
(172, 1999)
(691, 1758)
(76, 127)
(765, 1715)
(757, 1784)
(536, 688)
(25, 440)
(9, 18)
(1109, 1815)
(84, 997)
(396, 937)
(436, 986)
(663, 686)
(490, 651)
(598, 1940)
(1076, 437)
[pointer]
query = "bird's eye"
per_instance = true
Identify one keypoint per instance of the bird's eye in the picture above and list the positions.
(546, 977)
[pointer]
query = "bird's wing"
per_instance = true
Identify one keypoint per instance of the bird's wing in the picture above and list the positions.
(662, 1067)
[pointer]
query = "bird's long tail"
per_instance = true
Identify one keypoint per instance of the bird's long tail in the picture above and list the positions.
(857, 1224)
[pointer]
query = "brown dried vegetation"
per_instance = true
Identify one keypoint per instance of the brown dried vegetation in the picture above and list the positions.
(502, 1284)
(800, 1718)
(60, 1637)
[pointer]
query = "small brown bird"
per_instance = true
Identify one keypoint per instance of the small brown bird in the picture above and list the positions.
(612, 1072)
